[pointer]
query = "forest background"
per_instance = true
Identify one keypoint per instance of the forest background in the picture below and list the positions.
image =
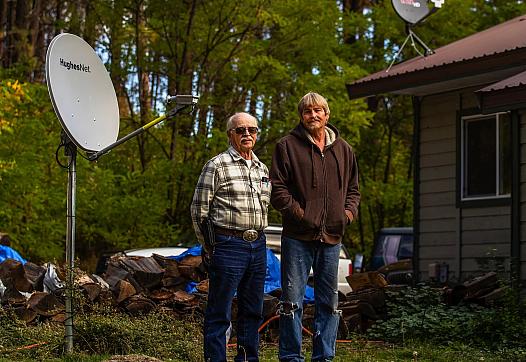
(258, 56)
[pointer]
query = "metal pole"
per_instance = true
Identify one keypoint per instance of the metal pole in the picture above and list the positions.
(71, 152)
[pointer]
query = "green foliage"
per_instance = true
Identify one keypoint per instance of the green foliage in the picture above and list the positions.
(419, 314)
(156, 334)
(100, 333)
(259, 56)
(31, 198)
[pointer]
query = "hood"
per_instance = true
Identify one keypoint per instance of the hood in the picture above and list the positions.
(332, 135)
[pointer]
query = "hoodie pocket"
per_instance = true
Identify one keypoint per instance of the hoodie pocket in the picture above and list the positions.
(313, 213)
(336, 217)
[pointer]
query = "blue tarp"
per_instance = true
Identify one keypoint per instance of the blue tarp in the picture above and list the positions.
(272, 278)
(8, 253)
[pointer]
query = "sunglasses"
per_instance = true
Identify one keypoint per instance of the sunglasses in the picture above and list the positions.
(242, 130)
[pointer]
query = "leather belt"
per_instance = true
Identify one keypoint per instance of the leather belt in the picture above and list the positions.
(247, 235)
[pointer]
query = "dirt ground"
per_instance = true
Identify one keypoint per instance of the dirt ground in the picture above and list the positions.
(131, 358)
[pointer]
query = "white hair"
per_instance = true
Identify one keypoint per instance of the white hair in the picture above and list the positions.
(237, 115)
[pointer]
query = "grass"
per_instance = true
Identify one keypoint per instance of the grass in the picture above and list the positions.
(360, 351)
(168, 337)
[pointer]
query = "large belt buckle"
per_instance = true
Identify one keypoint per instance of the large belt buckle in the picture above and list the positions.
(250, 235)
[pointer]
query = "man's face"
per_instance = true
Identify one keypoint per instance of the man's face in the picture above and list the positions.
(314, 118)
(245, 141)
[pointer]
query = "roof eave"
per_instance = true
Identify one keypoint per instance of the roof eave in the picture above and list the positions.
(503, 99)
(425, 77)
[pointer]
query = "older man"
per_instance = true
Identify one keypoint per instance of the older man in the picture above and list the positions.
(315, 186)
(233, 192)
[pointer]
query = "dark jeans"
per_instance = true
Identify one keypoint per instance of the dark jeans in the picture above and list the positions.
(297, 258)
(236, 265)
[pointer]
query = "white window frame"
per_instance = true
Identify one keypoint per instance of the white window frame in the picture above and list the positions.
(463, 159)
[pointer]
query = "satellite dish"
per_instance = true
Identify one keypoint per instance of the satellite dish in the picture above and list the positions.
(412, 11)
(82, 93)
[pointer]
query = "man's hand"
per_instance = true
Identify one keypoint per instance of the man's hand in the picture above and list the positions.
(350, 216)
(206, 257)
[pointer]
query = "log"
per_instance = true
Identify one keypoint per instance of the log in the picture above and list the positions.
(354, 322)
(45, 304)
(115, 273)
(492, 297)
(178, 282)
(12, 296)
(25, 314)
(59, 318)
(139, 304)
(145, 271)
(480, 285)
(202, 286)
(12, 273)
(191, 260)
(170, 266)
(92, 290)
(161, 295)
(191, 268)
(190, 273)
(123, 290)
(35, 275)
(182, 297)
(373, 296)
(359, 281)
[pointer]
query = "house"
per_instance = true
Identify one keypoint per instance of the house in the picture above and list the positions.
(469, 101)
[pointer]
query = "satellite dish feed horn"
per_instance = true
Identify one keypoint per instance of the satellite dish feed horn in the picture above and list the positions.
(85, 103)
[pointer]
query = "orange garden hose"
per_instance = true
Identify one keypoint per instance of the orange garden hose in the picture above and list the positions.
(265, 323)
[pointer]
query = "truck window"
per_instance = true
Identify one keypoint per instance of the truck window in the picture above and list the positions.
(406, 247)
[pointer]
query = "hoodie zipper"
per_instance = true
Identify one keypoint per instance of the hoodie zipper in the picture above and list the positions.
(324, 215)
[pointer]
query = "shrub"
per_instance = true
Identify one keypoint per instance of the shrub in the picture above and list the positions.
(419, 314)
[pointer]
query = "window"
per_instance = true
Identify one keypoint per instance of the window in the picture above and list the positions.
(486, 156)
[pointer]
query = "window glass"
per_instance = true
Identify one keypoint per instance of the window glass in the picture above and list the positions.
(480, 157)
(486, 156)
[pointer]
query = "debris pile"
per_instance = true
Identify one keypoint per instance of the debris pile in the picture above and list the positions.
(138, 285)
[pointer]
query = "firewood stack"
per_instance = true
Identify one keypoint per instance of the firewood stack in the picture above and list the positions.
(26, 291)
(366, 303)
(138, 285)
(484, 290)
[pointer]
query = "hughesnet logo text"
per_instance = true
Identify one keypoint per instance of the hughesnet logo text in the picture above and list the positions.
(69, 65)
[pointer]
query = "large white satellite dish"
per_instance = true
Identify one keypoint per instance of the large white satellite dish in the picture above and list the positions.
(82, 93)
(84, 100)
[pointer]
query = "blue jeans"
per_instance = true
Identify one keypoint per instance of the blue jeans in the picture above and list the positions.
(297, 258)
(236, 265)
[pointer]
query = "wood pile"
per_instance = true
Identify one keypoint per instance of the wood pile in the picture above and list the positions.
(366, 303)
(138, 285)
(483, 290)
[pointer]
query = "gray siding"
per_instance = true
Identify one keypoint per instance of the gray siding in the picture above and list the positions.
(470, 240)
(437, 214)
(523, 197)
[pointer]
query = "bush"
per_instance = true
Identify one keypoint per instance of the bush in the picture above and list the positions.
(419, 314)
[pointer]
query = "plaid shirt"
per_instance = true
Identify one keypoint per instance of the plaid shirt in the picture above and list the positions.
(231, 194)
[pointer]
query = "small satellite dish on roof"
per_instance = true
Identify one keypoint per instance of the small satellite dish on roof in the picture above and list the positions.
(411, 11)
(82, 93)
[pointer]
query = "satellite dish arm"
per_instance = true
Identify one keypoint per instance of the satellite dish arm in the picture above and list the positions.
(414, 37)
(185, 102)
